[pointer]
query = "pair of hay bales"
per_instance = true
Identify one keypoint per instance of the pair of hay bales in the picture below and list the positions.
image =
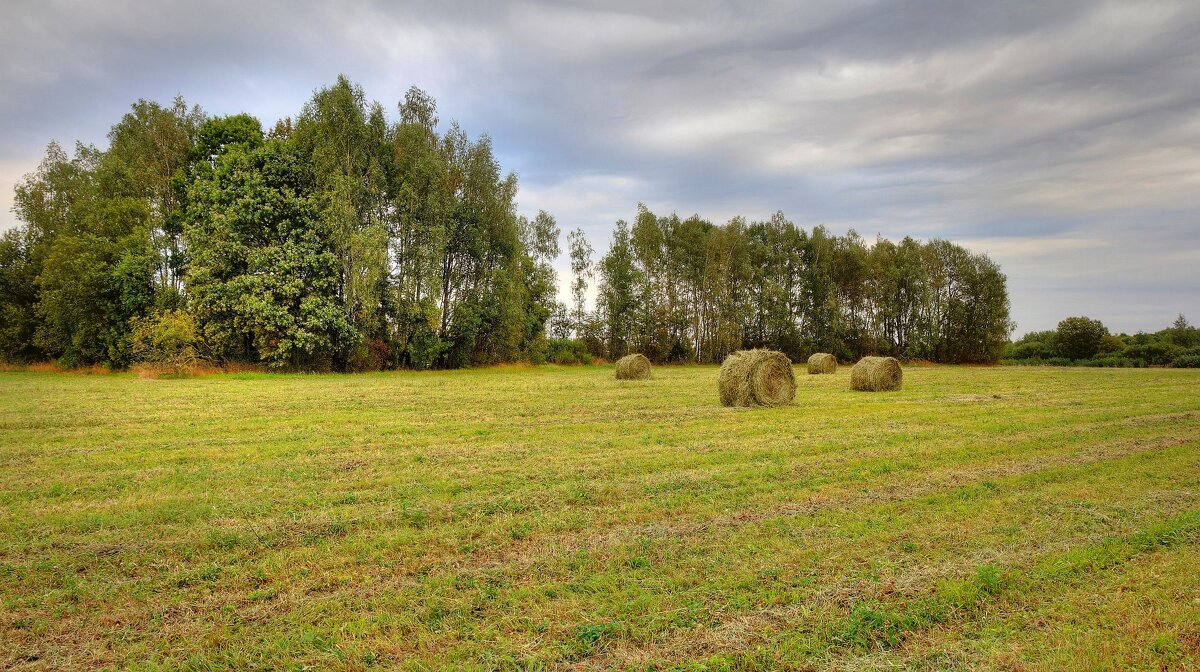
(870, 374)
(748, 377)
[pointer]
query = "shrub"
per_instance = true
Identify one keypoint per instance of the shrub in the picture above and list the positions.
(567, 351)
(1034, 345)
(1186, 362)
(1110, 344)
(425, 347)
(1154, 352)
(169, 338)
(1115, 362)
(370, 354)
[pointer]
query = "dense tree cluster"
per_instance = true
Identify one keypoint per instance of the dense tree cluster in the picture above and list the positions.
(690, 290)
(1082, 341)
(342, 240)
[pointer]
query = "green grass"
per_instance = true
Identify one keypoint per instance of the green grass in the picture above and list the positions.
(982, 518)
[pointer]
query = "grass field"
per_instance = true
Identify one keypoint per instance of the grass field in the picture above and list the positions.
(982, 518)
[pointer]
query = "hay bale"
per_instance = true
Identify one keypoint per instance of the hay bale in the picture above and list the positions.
(822, 362)
(733, 383)
(756, 378)
(633, 367)
(876, 374)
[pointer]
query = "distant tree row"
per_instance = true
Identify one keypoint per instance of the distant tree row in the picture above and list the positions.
(1082, 341)
(342, 240)
(690, 290)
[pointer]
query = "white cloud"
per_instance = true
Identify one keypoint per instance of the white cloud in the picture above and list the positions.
(1031, 247)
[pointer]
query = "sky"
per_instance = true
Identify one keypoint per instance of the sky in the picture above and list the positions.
(1061, 138)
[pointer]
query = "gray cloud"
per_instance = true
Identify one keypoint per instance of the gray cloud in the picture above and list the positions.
(1061, 138)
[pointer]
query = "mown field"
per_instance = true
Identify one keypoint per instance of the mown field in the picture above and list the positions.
(982, 518)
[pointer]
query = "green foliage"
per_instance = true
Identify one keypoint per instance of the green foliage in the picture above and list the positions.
(1110, 344)
(1162, 348)
(264, 274)
(567, 351)
(149, 151)
(1182, 334)
(1157, 352)
(170, 338)
(1079, 337)
(217, 134)
(96, 240)
(617, 300)
(1187, 361)
(408, 233)
(18, 295)
(88, 290)
(1113, 361)
(580, 251)
(344, 145)
(689, 290)
(1034, 345)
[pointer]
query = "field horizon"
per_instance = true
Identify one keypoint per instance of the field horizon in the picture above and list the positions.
(992, 517)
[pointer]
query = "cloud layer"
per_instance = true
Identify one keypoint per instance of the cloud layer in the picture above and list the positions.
(1061, 138)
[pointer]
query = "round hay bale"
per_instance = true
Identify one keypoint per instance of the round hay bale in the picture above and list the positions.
(733, 383)
(822, 362)
(756, 378)
(876, 374)
(633, 367)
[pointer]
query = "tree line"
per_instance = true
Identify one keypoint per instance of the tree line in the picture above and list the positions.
(689, 290)
(343, 240)
(1082, 341)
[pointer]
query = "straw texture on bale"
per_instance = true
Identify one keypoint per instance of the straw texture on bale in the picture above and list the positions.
(876, 374)
(633, 367)
(822, 362)
(757, 378)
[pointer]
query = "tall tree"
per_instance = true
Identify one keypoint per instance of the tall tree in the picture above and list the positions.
(580, 251)
(617, 295)
(420, 192)
(345, 141)
(149, 148)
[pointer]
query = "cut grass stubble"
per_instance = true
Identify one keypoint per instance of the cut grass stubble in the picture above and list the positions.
(506, 518)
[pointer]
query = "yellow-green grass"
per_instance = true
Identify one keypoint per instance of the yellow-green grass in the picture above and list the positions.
(981, 518)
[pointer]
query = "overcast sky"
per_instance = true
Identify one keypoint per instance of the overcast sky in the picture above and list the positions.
(1062, 138)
